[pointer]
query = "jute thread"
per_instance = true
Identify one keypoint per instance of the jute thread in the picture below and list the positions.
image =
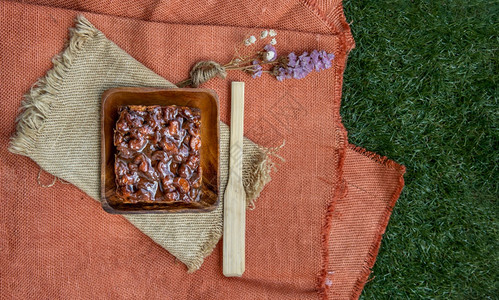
(202, 72)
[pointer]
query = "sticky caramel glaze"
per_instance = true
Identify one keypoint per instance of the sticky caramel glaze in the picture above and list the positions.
(158, 158)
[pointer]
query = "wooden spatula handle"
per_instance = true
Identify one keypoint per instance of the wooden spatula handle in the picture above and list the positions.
(236, 129)
(235, 197)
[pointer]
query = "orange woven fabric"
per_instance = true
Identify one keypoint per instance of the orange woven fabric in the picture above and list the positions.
(318, 224)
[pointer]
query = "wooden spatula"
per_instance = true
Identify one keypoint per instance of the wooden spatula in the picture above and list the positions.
(235, 197)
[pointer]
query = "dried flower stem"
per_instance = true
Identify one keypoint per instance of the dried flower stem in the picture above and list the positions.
(282, 67)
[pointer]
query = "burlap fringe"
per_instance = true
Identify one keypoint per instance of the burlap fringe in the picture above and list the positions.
(38, 102)
(253, 184)
(260, 174)
(383, 160)
(373, 250)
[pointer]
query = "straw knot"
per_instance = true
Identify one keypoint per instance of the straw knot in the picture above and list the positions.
(204, 71)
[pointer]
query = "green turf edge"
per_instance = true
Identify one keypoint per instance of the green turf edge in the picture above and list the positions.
(420, 88)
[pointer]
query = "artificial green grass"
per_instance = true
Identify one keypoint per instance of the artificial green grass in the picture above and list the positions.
(420, 88)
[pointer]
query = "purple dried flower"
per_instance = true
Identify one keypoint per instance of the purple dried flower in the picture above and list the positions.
(303, 55)
(306, 62)
(284, 73)
(304, 58)
(257, 69)
(316, 61)
(292, 59)
(271, 53)
(301, 66)
(325, 59)
(281, 76)
(299, 73)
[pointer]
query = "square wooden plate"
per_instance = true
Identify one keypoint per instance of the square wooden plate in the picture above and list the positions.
(204, 99)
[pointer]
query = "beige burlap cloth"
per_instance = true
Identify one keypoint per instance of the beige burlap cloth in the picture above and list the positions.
(59, 129)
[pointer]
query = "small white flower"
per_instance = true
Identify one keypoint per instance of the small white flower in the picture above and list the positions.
(247, 42)
(269, 55)
(252, 39)
(264, 34)
(272, 32)
(273, 41)
(328, 282)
